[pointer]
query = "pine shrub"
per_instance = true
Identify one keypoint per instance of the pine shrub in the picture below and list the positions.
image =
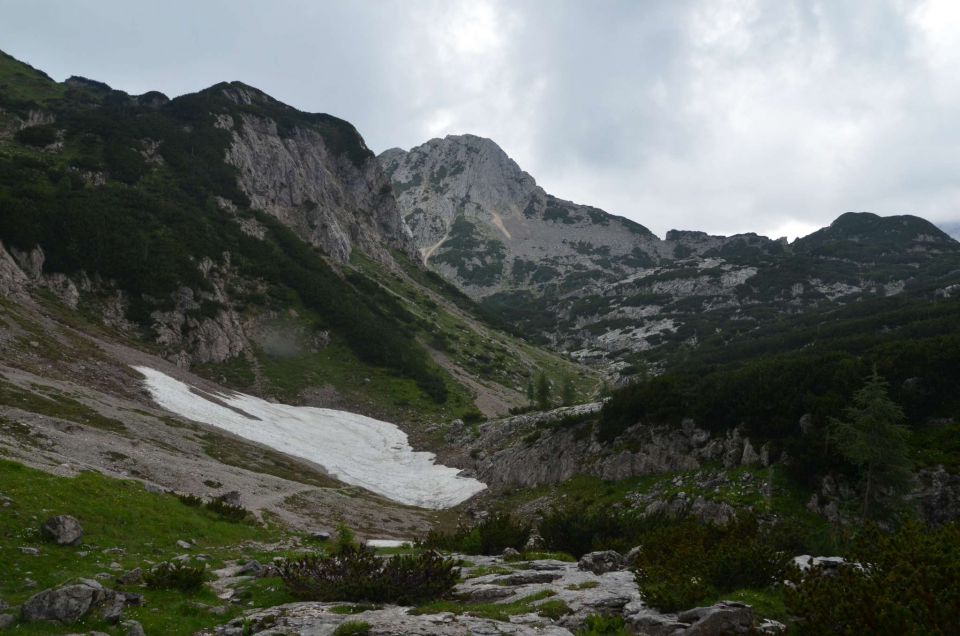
(908, 584)
(490, 536)
(175, 576)
(358, 575)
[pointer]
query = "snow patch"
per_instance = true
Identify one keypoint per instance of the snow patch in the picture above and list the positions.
(357, 450)
(388, 543)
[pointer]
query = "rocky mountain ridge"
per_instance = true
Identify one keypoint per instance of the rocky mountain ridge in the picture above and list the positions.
(606, 290)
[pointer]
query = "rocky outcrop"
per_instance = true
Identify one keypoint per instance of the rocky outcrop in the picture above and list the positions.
(565, 595)
(545, 448)
(13, 280)
(326, 197)
(937, 496)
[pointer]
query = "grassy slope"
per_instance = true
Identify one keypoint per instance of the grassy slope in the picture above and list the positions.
(116, 514)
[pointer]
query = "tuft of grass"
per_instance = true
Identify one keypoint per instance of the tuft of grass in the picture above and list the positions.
(352, 628)
(586, 585)
(492, 611)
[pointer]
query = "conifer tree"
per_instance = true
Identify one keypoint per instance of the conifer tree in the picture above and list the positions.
(874, 438)
(543, 391)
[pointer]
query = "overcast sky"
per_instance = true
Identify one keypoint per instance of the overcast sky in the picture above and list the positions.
(724, 116)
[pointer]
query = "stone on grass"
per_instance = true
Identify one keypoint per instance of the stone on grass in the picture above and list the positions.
(131, 577)
(251, 568)
(7, 621)
(62, 529)
(133, 628)
(602, 562)
(183, 545)
(65, 604)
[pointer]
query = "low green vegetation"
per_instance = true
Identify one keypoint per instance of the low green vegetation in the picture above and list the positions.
(491, 535)
(685, 564)
(355, 573)
(352, 628)
(902, 582)
(600, 625)
(494, 611)
(176, 576)
(126, 525)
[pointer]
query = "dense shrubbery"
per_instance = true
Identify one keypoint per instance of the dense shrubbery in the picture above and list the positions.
(38, 136)
(226, 511)
(577, 531)
(176, 576)
(910, 585)
(357, 574)
(491, 536)
(767, 384)
(684, 564)
(190, 500)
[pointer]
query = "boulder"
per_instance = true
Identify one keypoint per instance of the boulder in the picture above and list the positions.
(66, 604)
(725, 617)
(510, 553)
(534, 543)
(251, 568)
(133, 628)
(112, 608)
(231, 498)
(62, 529)
(7, 621)
(602, 562)
(646, 620)
(131, 577)
(320, 536)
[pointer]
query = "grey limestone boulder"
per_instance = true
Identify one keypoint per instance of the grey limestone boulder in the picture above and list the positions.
(62, 529)
(725, 617)
(602, 562)
(65, 604)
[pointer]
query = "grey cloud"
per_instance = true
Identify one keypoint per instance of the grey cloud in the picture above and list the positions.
(724, 115)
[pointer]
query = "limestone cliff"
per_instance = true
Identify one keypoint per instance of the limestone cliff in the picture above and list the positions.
(483, 222)
(330, 199)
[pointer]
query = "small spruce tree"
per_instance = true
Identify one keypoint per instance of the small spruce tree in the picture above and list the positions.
(543, 391)
(568, 391)
(874, 438)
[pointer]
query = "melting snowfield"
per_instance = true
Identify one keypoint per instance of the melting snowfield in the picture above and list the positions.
(357, 450)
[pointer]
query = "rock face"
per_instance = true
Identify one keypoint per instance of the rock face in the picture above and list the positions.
(63, 530)
(332, 200)
(532, 450)
(483, 222)
(937, 496)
